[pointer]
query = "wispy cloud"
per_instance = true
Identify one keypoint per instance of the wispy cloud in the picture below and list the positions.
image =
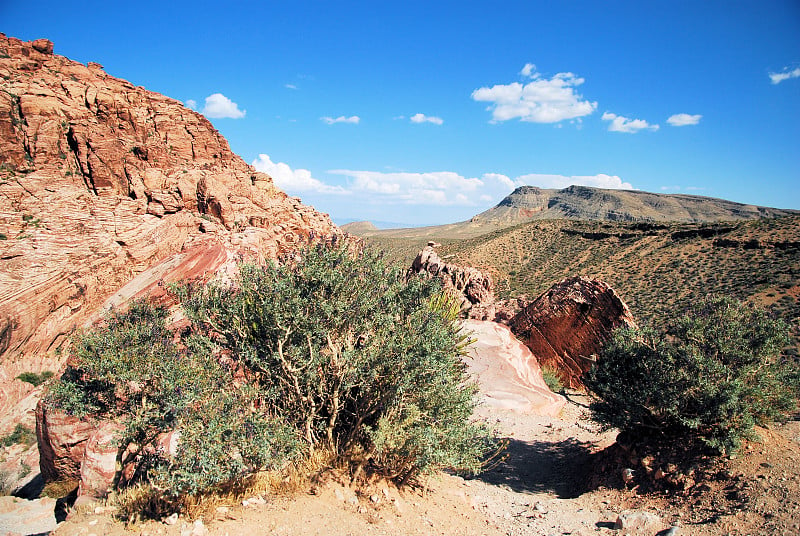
(433, 188)
(293, 180)
(218, 106)
(541, 100)
(354, 119)
(786, 74)
(682, 120)
(447, 188)
(290, 86)
(422, 118)
(191, 103)
(623, 124)
(601, 180)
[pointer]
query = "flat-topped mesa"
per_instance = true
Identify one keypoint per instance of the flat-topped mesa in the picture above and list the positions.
(101, 180)
(567, 326)
(527, 203)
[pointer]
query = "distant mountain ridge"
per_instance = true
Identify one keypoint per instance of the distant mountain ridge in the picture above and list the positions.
(586, 203)
(530, 203)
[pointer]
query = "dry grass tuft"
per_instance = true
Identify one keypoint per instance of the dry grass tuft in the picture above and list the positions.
(139, 503)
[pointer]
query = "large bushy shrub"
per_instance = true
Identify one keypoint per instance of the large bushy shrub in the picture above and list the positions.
(358, 358)
(713, 375)
(330, 348)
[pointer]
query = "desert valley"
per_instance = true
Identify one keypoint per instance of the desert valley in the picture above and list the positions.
(113, 196)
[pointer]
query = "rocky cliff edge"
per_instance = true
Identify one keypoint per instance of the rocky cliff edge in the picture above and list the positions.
(102, 181)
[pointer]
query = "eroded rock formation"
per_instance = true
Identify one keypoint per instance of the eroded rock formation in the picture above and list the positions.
(472, 285)
(567, 326)
(100, 181)
(508, 374)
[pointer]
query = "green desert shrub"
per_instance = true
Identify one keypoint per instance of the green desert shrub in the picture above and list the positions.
(357, 358)
(552, 379)
(133, 371)
(34, 378)
(330, 350)
(21, 434)
(713, 375)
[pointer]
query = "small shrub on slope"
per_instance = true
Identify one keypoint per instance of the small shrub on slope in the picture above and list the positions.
(716, 373)
(330, 351)
(131, 370)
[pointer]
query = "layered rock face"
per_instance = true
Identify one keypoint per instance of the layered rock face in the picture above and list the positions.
(567, 326)
(507, 372)
(101, 181)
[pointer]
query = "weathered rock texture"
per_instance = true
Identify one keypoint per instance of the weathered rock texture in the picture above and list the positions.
(18, 516)
(101, 180)
(87, 451)
(470, 284)
(508, 374)
(567, 326)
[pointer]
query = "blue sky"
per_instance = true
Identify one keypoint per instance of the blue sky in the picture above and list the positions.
(430, 112)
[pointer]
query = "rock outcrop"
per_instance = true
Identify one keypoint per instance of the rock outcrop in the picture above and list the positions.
(508, 374)
(567, 326)
(101, 181)
(474, 287)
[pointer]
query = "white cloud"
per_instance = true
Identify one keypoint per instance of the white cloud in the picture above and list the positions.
(777, 78)
(290, 86)
(446, 188)
(219, 106)
(682, 120)
(434, 188)
(601, 180)
(422, 118)
(529, 71)
(623, 124)
(192, 104)
(538, 101)
(354, 119)
(297, 180)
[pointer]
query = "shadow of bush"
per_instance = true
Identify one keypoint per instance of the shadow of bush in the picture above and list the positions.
(562, 468)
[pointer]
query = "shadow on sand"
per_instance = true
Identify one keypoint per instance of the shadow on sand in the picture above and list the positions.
(558, 467)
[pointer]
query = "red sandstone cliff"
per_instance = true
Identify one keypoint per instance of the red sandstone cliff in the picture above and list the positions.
(104, 184)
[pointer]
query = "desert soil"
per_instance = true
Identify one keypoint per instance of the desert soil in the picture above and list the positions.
(547, 485)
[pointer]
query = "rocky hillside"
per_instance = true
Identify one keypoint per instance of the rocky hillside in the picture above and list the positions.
(107, 186)
(584, 203)
(529, 203)
(658, 269)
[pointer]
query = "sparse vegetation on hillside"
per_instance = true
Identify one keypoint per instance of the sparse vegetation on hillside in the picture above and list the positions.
(658, 269)
(35, 379)
(712, 376)
(338, 352)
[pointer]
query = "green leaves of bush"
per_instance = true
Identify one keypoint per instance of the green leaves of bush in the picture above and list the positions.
(346, 349)
(134, 371)
(330, 348)
(713, 375)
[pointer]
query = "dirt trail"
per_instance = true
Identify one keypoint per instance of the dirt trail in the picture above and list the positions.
(540, 489)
